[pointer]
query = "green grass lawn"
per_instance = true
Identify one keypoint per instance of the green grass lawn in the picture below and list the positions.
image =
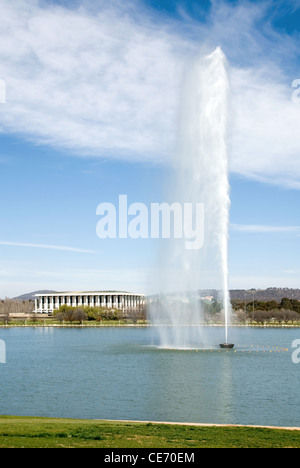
(28, 432)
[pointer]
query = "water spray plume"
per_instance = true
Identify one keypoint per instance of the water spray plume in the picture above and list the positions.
(201, 168)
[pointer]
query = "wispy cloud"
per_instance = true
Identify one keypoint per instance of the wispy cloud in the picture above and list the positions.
(255, 228)
(15, 281)
(47, 246)
(262, 282)
(100, 83)
(103, 81)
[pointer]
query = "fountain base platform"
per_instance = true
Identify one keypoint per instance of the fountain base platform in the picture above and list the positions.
(226, 345)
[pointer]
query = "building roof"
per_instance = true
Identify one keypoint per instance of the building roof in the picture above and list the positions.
(79, 293)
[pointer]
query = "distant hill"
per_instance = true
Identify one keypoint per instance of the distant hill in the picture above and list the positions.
(31, 296)
(269, 294)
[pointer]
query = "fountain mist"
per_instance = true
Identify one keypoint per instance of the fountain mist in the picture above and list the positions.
(201, 175)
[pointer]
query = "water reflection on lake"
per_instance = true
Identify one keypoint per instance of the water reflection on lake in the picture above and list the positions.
(120, 373)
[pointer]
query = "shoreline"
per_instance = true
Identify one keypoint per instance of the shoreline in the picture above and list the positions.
(146, 422)
(141, 325)
(286, 428)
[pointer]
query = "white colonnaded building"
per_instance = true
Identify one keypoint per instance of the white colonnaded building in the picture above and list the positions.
(48, 303)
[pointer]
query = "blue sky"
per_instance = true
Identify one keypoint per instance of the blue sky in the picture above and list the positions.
(91, 110)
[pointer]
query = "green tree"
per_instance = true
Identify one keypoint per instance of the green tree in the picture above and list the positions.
(286, 304)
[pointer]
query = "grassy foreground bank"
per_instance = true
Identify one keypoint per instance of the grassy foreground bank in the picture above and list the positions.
(31, 432)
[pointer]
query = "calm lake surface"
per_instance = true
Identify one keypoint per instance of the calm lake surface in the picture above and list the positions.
(120, 373)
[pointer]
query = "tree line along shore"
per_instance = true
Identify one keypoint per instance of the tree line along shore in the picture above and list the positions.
(254, 312)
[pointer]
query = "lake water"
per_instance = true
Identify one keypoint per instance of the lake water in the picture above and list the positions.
(119, 373)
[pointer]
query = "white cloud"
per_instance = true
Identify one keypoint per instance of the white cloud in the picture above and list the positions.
(255, 228)
(47, 246)
(104, 80)
(26, 279)
(265, 141)
(263, 282)
(96, 83)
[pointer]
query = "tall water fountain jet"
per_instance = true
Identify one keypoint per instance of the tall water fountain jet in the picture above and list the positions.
(201, 176)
